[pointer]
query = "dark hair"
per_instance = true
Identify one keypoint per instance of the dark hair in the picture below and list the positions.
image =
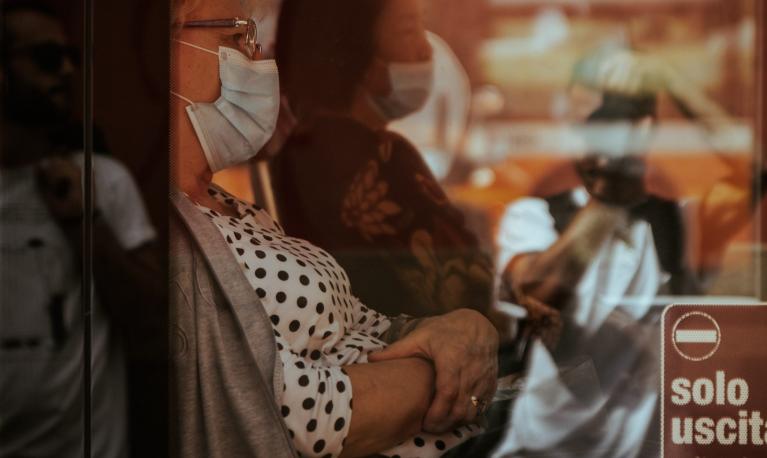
(323, 49)
(617, 107)
(9, 7)
(36, 6)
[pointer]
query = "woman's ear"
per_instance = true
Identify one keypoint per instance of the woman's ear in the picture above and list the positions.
(376, 80)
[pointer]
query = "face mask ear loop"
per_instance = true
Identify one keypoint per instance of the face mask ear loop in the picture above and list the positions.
(182, 97)
(196, 47)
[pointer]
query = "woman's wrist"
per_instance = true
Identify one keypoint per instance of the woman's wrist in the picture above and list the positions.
(401, 326)
(422, 369)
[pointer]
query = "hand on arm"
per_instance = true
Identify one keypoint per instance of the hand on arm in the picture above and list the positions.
(463, 347)
(400, 327)
(551, 276)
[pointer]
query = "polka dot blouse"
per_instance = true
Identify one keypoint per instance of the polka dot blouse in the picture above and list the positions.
(319, 326)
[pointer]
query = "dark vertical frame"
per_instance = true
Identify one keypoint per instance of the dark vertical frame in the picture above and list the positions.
(87, 256)
(130, 93)
(761, 142)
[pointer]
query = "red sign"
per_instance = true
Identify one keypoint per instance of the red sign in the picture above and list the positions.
(714, 381)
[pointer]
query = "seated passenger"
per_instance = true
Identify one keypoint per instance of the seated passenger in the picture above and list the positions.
(346, 182)
(274, 354)
(598, 254)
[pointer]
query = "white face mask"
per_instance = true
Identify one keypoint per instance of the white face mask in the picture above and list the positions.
(235, 127)
(411, 86)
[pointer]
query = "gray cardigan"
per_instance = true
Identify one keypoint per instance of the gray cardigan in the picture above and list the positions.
(225, 370)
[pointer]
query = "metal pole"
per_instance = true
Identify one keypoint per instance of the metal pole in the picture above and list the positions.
(87, 254)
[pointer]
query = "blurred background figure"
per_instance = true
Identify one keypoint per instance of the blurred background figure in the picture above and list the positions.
(347, 182)
(527, 51)
(41, 208)
(593, 253)
(706, 224)
(519, 59)
(600, 253)
(438, 129)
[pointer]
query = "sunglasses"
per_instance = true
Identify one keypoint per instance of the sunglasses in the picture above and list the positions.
(251, 30)
(50, 57)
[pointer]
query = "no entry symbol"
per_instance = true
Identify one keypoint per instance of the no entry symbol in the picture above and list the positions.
(696, 336)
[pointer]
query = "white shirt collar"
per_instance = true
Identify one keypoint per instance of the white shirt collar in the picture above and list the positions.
(580, 196)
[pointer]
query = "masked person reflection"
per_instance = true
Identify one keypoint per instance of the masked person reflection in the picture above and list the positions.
(271, 347)
(41, 231)
(346, 182)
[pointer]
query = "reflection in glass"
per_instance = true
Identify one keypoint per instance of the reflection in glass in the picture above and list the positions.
(41, 245)
(41, 330)
(618, 171)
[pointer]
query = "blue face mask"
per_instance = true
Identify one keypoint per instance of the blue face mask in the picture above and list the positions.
(411, 85)
(234, 128)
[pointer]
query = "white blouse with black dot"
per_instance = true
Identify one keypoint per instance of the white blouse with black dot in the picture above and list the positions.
(319, 326)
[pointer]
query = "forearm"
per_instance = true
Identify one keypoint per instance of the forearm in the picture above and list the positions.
(552, 276)
(696, 105)
(403, 325)
(391, 399)
(132, 281)
(692, 101)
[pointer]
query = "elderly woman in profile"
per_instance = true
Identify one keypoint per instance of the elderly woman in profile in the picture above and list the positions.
(273, 354)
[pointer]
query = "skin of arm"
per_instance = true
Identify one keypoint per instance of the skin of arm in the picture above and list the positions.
(551, 276)
(694, 103)
(463, 347)
(377, 423)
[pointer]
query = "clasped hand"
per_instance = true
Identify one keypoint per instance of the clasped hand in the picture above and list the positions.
(463, 346)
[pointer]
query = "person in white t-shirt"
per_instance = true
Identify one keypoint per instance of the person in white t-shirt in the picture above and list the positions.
(590, 255)
(41, 322)
(588, 259)
(589, 262)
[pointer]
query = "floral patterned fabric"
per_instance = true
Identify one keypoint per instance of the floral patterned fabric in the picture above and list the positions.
(369, 199)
